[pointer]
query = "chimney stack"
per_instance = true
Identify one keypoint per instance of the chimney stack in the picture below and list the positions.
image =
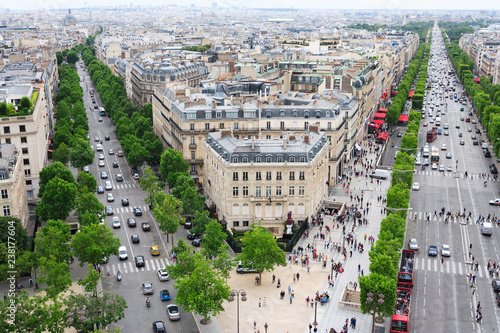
(214, 105)
(284, 142)
(253, 142)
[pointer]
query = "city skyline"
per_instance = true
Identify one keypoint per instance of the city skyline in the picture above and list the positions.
(321, 4)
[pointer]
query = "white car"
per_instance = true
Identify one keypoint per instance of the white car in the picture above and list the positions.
(445, 250)
(495, 202)
(443, 146)
(416, 186)
(101, 164)
(110, 198)
(441, 167)
(413, 244)
(449, 168)
(434, 166)
(163, 274)
(116, 222)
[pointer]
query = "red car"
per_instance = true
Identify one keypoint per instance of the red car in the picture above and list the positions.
(425, 125)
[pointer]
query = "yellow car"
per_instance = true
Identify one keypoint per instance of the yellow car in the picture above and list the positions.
(155, 251)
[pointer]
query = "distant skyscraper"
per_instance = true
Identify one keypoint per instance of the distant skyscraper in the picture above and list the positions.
(214, 4)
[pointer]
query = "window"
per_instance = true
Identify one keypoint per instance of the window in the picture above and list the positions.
(7, 141)
(269, 159)
(244, 159)
(282, 114)
(292, 159)
(235, 176)
(302, 159)
(27, 172)
(191, 115)
(278, 191)
(268, 114)
(258, 191)
(329, 126)
(22, 128)
(191, 127)
(25, 150)
(282, 125)
(258, 159)
(29, 182)
(232, 114)
(207, 126)
(245, 175)
(305, 125)
(302, 190)
(249, 114)
(24, 139)
(291, 190)
(208, 114)
(221, 125)
(29, 194)
(26, 161)
(218, 114)
(5, 194)
(245, 191)
(193, 155)
(193, 168)
(235, 191)
(193, 140)
(6, 210)
(236, 223)
(302, 175)
(268, 175)
(279, 159)
(278, 175)
(268, 137)
(236, 126)
(6, 129)
(268, 191)
(258, 175)
(292, 175)
(268, 125)
(245, 223)
(295, 113)
(306, 114)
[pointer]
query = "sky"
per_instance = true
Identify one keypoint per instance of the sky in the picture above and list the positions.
(329, 4)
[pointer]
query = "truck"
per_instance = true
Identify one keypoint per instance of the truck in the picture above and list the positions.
(400, 322)
(102, 111)
(434, 155)
(380, 174)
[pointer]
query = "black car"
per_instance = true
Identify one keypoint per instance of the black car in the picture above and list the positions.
(197, 242)
(107, 138)
(145, 226)
(478, 131)
(498, 299)
(159, 327)
(475, 142)
(495, 283)
(188, 225)
(139, 261)
(192, 235)
(486, 152)
(135, 238)
(115, 164)
(137, 211)
(125, 202)
(493, 169)
(131, 222)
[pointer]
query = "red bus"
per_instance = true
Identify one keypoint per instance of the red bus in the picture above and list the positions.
(401, 318)
(432, 135)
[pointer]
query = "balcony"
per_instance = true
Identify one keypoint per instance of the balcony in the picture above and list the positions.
(192, 146)
(274, 198)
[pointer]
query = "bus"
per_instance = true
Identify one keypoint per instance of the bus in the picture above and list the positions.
(434, 155)
(102, 112)
(432, 134)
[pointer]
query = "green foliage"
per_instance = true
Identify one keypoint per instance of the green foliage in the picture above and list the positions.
(94, 243)
(168, 214)
(377, 284)
(72, 57)
(200, 221)
(172, 164)
(61, 154)
(149, 183)
(197, 48)
(59, 58)
(24, 103)
(58, 200)
(213, 240)
(81, 154)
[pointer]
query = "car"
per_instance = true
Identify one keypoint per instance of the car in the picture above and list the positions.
(159, 327)
(441, 167)
(445, 250)
(462, 142)
(448, 155)
(145, 226)
(107, 138)
(426, 162)
(460, 135)
(154, 250)
(497, 296)
(493, 168)
(425, 125)
(449, 168)
(139, 261)
(418, 161)
(433, 251)
(473, 137)
(478, 131)
(473, 121)
(173, 312)
(136, 176)
(119, 177)
(416, 186)
(111, 152)
(115, 164)
(137, 211)
(100, 119)
(108, 185)
(431, 121)
(163, 274)
(98, 147)
(446, 133)
(462, 118)
(469, 129)
(135, 239)
(188, 225)
(164, 295)
(109, 210)
(120, 153)
(495, 202)
(192, 235)
(197, 242)
(101, 164)
(96, 107)
(434, 166)
(104, 175)
(101, 157)
(446, 126)
(495, 283)
(100, 189)
(122, 253)
(97, 139)
(86, 169)
(400, 134)
(116, 222)
(131, 222)
(443, 146)
(110, 197)
(147, 288)
(475, 143)
(457, 126)
(413, 244)
(461, 109)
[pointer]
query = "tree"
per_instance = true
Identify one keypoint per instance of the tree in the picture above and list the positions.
(94, 243)
(200, 221)
(53, 240)
(182, 182)
(203, 291)
(147, 111)
(88, 202)
(86, 182)
(72, 57)
(169, 215)
(91, 281)
(191, 201)
(57, 201)
(81, 154)
(377, 285)
(24, 103)
(61, 154)
(137, 155)
(56, 169)
(213, 239)
(59, 58)
(224, 262)
(56, 275)
(171, 163)
(260, 250)
(12, 226)
(3, 109)
(149, 183)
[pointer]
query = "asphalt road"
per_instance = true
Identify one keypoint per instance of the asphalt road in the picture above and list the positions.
(443, 300)
(138, 318)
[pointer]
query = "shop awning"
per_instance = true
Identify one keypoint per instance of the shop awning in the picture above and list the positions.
(377, 121)
(382, 110)
(403, 118)
(383, 136)
(380, 115)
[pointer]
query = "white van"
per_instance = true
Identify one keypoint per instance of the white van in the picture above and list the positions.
(381, 174)
(122, 253)
(426, 152)
(487, 228)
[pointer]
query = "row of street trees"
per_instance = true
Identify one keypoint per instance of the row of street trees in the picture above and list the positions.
(385, 254)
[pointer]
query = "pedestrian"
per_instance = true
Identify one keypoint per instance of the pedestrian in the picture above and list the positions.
(473, 279)
(4, 296)
(264, 301)
(354, 322)
(442, 261)
(289, 290)
(260, 302)
(254, 324)
(291, 298)
(274, 278)
(279, 283)
(298, 276)
(294, 277)
(307, 301)
(31, 282)
(310, 327)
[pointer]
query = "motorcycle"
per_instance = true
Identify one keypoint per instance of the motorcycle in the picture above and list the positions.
(148, 302)
(119, 276)
(485, 184)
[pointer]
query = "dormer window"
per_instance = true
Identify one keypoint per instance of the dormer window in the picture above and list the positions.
(318, 114)
(282, 114)
(268, 114)
(306, 114)
(295, 113)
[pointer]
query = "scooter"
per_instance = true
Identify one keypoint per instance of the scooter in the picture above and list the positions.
(485, 184)
(119, 276)
(148, 302)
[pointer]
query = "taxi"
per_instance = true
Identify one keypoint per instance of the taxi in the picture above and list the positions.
(155, 250)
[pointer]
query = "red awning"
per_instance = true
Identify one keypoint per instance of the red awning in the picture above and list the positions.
(377, 126)
(383, 135)
(378, 121)
(382, 110)
(411, 93)
(380, 115)
(403, 117)
(477, 80)
(394, 92)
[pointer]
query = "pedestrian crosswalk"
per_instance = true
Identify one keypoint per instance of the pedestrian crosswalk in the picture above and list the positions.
(421, 216)
(123, 186)
(128, 266)
(130, 209)
(449, 267)
(430, 172)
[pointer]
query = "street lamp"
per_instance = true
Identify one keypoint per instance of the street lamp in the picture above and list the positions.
(315, 323)
(237, 293)
(370, 300)
(79, 318)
